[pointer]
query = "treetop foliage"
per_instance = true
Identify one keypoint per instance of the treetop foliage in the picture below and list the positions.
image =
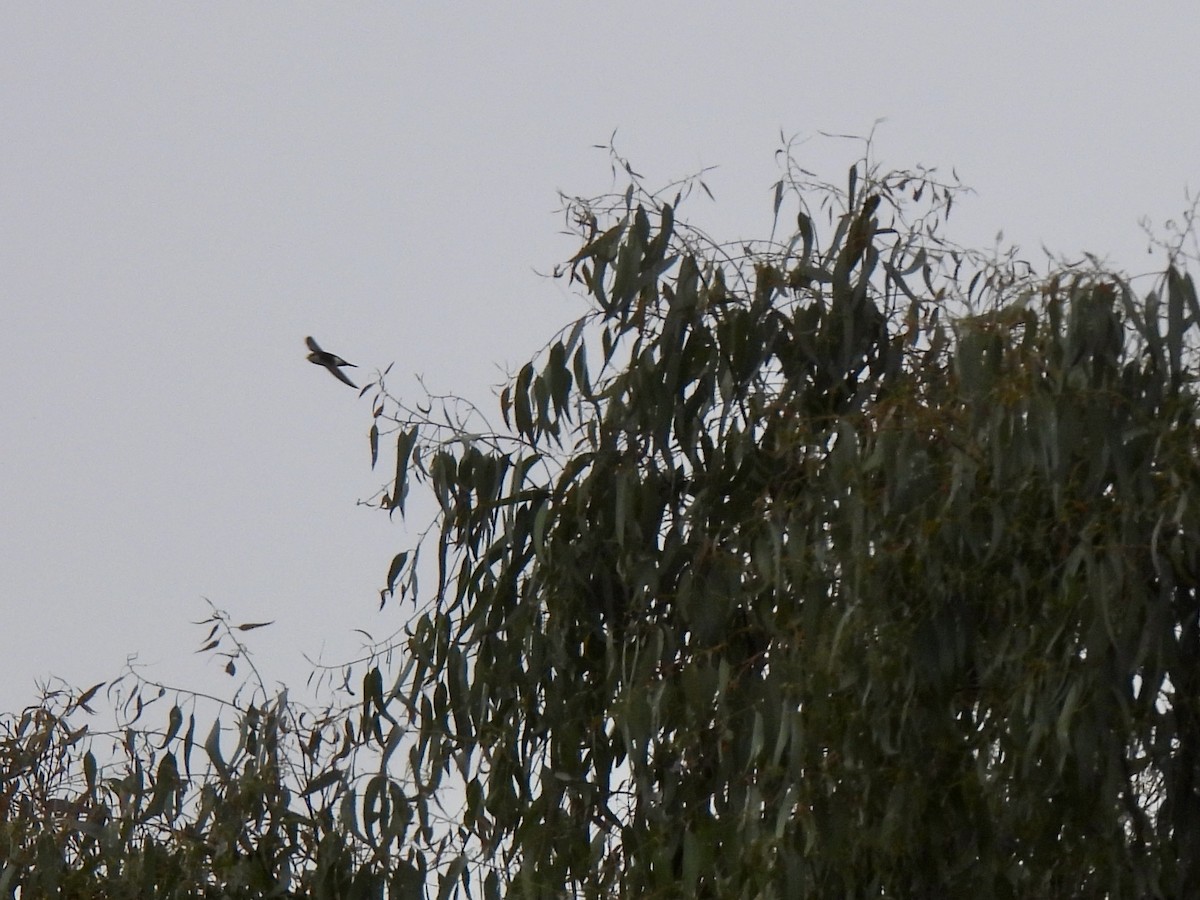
(850, 563)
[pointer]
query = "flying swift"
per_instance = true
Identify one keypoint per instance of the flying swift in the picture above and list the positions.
(331, 361)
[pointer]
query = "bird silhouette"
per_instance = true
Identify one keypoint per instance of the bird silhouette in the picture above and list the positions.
(331, 361)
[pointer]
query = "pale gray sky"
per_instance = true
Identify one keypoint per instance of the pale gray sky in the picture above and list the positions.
(187, 190)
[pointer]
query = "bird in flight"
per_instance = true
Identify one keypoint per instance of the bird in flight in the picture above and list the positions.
(330, 361)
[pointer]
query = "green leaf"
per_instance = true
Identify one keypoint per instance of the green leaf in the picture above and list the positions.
(406, 441)
(394, 570)
(603, 246)
(329, 777)
(522, 410)
(212, 746)
(174, 723)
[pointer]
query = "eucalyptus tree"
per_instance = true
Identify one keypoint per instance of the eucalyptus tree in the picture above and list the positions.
(848, 564)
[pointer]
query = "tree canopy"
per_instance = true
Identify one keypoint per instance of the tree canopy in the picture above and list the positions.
(842, 563)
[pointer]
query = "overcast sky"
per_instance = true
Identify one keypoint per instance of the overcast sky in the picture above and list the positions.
(187, 190)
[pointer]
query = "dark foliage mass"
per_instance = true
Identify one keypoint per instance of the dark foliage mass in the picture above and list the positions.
(848, 564)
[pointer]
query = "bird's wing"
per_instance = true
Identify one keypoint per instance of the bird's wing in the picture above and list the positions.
(341, 376)
(313, 345)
